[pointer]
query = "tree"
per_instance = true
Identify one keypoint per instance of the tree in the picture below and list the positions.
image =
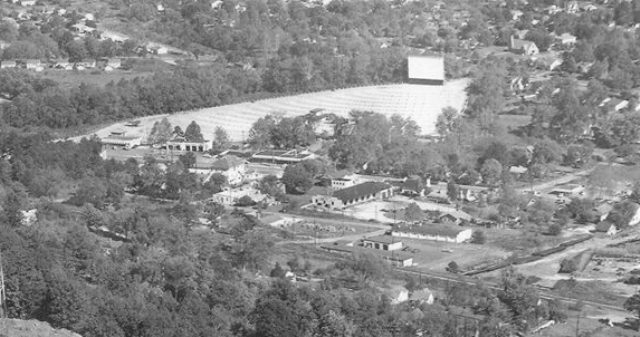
(76, 51)
(452, 191)
(633, 304)
(578, 155)
(453, 267)
(260, 133)
(478, 237)
(582, 209)
(277, 271)
(635, 193)
(491, 171)
(13, 204)
(270, 185)
(541, 38)
(193, 133)
(546, 151)
(446, 121)
(568, 266)
(622, 213)
(214, 211)
(160, 132)
(245, 201)
(554, 229)
(91, 190)
(297, 179)
(413, 212)
(188, 160)
(220, 139)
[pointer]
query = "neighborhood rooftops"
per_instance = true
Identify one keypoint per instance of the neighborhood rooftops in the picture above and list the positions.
(360, 190)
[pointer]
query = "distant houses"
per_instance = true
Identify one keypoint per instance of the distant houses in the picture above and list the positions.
(62, 64)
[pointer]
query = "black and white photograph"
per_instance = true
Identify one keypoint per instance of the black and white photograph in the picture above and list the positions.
(319, 168)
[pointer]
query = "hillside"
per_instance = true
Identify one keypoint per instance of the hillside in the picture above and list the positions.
(422, 103)
(31, 328)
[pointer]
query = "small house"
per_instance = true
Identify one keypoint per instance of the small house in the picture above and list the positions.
(113, 64)
(33, 64)
(232, 167)
(396, 295)
(85, 64)
(413, 187)
(566, 39)
(61, 64)
(382, 242)
(607, 228)
(523, 47)
(422, 296)
(5, 64)
(344, 182)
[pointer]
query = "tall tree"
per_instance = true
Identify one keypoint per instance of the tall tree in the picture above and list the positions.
(220, 139)
(161, 132)
(193, 133)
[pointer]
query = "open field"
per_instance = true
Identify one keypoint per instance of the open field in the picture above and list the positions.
(434, 255)
(422, 103)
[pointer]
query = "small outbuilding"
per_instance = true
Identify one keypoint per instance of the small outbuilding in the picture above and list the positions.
(382, 242)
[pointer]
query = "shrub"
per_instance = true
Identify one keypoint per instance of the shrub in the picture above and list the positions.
(568, 266)
(478, 237)
(245, 201)
(453, 267)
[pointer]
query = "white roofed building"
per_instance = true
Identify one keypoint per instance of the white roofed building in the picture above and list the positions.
(425, 70)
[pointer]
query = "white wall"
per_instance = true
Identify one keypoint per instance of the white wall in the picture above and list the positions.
(426, 67)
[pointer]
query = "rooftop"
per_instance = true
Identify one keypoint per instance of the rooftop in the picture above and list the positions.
(430, 229)
(413, 184)
(283, 153)
(387, 254)
(388, 239)
(360, 190)
(603, 226)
